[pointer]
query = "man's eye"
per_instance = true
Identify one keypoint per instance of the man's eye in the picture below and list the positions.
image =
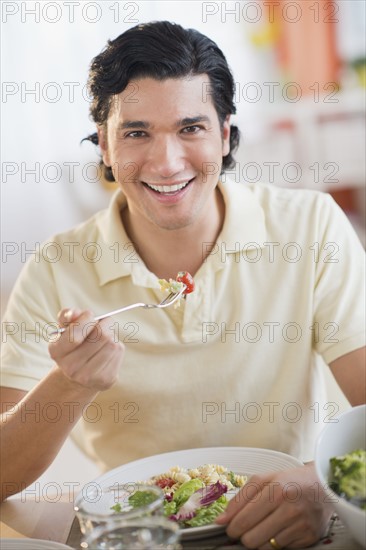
(135, 134)
(191, 129)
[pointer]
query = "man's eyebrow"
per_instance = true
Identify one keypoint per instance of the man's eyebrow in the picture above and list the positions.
(133, 124)
(141, 124)
(192, 120)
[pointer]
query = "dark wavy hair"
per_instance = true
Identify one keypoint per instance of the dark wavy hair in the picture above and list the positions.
(160, 50)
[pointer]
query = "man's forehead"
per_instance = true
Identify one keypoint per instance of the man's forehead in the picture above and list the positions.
(187, 81)
(191, 94)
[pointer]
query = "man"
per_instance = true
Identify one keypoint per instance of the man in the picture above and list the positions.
(268, 302)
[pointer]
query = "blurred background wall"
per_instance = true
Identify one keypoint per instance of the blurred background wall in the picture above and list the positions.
(299, 69)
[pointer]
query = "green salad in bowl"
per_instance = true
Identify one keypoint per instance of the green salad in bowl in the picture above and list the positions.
(347, 477)
(340, 466)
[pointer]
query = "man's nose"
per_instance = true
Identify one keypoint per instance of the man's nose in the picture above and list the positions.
(167, 157)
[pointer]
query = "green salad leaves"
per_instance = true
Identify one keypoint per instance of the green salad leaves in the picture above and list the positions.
(193, 497)
(192, 505)
(348, 476)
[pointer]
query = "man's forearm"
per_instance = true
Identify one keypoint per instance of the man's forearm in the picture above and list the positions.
(30, 437)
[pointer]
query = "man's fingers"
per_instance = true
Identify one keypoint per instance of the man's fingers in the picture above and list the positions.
(102, 370)
(79, 326)
(257, 519)
(67, 315)
(249, 493)
(87, 352)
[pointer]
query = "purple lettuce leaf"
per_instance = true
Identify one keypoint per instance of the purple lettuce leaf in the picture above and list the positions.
(203, 497)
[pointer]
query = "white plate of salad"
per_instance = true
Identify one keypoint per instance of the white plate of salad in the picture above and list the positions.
(198, 483)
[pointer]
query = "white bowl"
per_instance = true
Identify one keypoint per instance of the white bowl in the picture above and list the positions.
(346, 434)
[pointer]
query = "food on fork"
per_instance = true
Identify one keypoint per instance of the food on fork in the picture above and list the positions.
(187, 279)
(175, 285)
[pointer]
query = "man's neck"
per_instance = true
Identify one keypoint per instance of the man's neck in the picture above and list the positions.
(165, 252)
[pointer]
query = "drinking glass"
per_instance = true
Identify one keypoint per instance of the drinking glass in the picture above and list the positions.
(144, 533)
(97, 506)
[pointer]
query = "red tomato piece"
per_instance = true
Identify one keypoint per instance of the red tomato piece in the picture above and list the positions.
(165, 482)
(187, 279)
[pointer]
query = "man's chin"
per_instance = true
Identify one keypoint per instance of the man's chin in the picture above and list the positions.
(174, 225)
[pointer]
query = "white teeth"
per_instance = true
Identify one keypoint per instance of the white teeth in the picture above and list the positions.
(168, 188)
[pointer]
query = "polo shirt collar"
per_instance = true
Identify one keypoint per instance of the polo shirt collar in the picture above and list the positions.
(121, 258)
(244, 226)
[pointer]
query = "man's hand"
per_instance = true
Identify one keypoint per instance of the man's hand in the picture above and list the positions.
(86, 352)
(290, 506)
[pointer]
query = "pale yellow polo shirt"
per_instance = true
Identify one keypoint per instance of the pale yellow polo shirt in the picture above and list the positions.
(238, 364)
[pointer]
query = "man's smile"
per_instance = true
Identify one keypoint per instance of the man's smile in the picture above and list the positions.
(171, 189)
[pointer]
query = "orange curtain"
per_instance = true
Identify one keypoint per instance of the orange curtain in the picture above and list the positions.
(306, 41)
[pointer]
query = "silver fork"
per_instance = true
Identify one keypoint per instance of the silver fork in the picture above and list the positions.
(168, 301)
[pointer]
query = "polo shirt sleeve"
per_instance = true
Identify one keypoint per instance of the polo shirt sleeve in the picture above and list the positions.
(29, 318)
(339, 294)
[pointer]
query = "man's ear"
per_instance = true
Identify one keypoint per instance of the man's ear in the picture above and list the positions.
(226, 136)
(103, 144)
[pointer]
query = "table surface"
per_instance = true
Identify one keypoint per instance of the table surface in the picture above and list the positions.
(55, 520)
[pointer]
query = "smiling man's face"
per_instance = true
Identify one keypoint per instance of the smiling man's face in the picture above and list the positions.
(165, 146)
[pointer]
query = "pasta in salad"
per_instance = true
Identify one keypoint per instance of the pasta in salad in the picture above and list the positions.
(208, 473)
